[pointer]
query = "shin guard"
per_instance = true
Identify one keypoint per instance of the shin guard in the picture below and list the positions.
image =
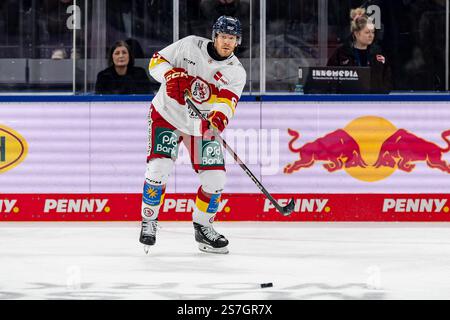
(152, 199)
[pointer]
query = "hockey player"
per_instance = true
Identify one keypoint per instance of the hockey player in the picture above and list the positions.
(213, 75)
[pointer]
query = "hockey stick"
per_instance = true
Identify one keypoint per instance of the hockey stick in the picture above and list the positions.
(286, 210)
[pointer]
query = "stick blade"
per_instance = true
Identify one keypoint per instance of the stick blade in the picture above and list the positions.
(287, 209)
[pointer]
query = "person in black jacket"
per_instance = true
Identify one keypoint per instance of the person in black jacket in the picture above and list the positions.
(360, 51)
(122, 77)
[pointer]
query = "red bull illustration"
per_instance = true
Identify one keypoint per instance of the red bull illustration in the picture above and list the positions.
(338, 149)
(370, 149)
(403, 148)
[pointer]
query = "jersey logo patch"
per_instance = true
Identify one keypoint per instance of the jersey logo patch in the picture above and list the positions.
(219, 77)
(200, 89)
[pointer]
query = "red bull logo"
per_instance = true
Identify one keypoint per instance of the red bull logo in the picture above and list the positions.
(337, 149)
(369, 149)
(403, 148)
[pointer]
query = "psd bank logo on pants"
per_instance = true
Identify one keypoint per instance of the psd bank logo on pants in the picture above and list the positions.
(13, 148)
(211, 153)
(166, 142)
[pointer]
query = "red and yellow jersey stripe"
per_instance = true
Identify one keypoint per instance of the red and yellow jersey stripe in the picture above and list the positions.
(156, 60)
(225, 99)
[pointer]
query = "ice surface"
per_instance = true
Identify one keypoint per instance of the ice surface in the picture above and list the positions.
(302, 260)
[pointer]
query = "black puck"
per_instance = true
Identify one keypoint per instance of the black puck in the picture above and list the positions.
(266, 285)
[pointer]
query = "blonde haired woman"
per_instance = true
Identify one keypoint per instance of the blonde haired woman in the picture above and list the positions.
(360, 51)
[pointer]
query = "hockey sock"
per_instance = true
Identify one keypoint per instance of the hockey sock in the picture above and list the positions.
(152, 199)
(206, 206)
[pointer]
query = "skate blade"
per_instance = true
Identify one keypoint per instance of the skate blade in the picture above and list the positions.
(206, 248)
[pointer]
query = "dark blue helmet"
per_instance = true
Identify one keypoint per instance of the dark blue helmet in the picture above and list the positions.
(227, 25)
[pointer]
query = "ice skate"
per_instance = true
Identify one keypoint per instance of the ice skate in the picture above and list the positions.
(209, 240)
(148, 233)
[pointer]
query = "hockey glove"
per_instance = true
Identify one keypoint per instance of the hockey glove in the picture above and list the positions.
(177, 81)
(216, 119)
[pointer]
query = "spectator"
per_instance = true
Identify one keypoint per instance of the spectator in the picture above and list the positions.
(360, 51)
(59, 54)
(122, 77)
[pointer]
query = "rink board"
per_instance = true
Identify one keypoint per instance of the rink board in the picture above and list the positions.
(233, 207)
(80, 161)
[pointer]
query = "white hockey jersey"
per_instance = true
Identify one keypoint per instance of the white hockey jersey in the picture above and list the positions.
(217, 85)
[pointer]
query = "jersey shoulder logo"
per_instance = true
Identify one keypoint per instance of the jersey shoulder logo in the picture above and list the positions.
(201, 90)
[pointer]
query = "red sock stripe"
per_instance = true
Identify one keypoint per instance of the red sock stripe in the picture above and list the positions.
(202, 196)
